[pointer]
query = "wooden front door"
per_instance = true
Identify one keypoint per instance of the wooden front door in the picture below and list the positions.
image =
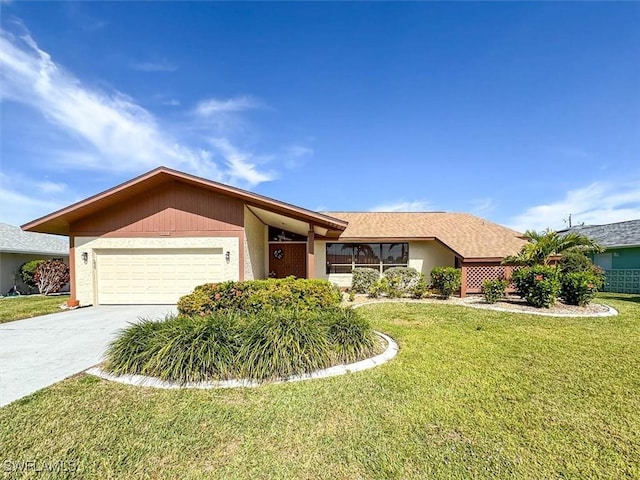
(287, 259)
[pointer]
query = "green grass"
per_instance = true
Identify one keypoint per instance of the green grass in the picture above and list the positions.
(471, 394)
(16, 308)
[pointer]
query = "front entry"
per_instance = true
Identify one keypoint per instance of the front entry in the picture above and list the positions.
(287, 259)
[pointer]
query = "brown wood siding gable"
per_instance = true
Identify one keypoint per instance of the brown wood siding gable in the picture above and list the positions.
(171, 207)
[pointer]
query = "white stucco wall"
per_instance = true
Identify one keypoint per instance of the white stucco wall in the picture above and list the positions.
(86, 275)
(255, 246)
(423, 256)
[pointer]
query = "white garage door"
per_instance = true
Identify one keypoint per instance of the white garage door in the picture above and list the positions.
(154, 276)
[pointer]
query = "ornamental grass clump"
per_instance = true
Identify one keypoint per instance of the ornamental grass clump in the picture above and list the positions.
(281, 343)
(350, 336)
(181, 349)
(272, 344)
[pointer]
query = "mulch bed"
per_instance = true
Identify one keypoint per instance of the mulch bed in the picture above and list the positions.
(511, 303)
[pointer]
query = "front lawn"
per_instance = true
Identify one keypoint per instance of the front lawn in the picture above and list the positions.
(472, 394)
(16, 308)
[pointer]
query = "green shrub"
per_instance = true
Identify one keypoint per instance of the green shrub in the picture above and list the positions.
(363, 279)
(538, 285)
(182, 349)
(579, 288)
(352, 295)
(446, 280)
(350, 336)
(493, 290)
(401, 280)
(381, 286)
(421, 288)
(255, 295)
(281, 343)
(28, 272)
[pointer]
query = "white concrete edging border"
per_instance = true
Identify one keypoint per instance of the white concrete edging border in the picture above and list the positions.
(611, 312)
(144, 381)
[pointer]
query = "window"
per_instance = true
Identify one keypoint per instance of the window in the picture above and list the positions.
(344, 257)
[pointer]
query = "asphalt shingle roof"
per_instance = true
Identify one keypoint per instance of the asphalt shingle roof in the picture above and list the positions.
(15, 240)
(621, 234)
(466, 234)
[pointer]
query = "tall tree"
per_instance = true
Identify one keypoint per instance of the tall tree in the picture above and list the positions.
(542, 247)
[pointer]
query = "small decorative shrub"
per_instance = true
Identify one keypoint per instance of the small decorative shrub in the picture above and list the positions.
(352, 295)
(51, 276)
(28, 272)
(538, 285)
(381, 286)
(446, 280)
(493, 290)
(363, 279)
(579, 288)
(401, 280)
(421, 288)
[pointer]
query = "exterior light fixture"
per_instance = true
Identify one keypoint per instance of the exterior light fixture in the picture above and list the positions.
(227, 255)
(85, 257)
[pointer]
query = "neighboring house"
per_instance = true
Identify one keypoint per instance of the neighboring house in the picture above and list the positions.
(18, 247)
(621, 258)
(157, 236)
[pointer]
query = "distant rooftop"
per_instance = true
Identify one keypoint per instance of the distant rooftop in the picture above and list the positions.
(621, 234)
(14, 240)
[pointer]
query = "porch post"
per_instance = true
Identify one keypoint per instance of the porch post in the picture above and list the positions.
(463, 283)
(310, 252)
(72, 267)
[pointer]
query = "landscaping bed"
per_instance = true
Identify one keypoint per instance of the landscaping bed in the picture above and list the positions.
(511, 303)
(471, 394)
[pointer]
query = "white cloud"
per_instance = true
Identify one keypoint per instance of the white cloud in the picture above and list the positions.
(482, 206)
(595, 204)
(108, 131)
(215, 106)
(241, 165)
(404, 206)
(40, 197)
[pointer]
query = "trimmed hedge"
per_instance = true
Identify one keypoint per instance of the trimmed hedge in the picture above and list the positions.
(363, 279)
(256, 295)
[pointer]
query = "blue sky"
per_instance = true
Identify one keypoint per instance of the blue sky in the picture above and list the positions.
(521, 113)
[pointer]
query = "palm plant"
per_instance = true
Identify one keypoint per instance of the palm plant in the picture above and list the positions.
(542, 247)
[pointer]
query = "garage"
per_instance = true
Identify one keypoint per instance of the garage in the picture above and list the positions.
(154, 276)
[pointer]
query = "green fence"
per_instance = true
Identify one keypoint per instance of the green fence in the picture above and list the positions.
(622, 281)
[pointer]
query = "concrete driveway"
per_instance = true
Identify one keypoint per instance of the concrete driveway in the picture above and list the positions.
(40, 351)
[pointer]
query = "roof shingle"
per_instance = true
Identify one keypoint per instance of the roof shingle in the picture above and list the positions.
(15, 240)
(621, 234)
(467, 235)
